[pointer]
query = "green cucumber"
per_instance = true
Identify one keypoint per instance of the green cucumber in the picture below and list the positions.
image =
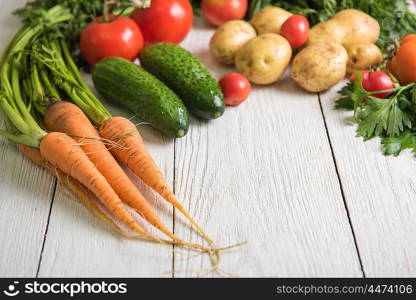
(122, 82)
(186, 76)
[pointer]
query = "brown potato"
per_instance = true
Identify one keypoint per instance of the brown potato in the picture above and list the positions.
(329, 31)
(229, 38)
(320, 66)
(270, 20)
(346, 27)
(363, 56)
(361, 27)
(264, 59)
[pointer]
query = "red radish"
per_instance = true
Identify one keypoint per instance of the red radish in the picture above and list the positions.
(235, 87)
(295, 30)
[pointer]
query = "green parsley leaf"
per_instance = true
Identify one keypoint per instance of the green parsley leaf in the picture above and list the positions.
(383, 117)
(395, 145)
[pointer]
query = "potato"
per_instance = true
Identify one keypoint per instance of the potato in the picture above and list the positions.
(264, 59)
(329, 31)
(229, 38)
(346, 27)
(270, 20)
(361, 28)
(320, 66)
(363, 56)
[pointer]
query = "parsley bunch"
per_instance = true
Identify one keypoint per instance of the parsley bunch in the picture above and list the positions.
(391, 118)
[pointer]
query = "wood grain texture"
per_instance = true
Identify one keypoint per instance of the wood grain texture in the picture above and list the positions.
(264, 174)
(78, 244)
(379, 192)
(25, 190)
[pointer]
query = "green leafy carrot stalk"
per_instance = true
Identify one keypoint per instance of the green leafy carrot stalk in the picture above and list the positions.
(21, 127)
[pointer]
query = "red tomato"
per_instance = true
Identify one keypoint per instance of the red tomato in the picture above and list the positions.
(235, 87)
(164, 21)
(120, 37)
(378, 81)
(218, 12)
(365, 75)
(295, 30)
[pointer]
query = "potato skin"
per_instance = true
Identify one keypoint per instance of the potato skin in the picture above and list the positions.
(270, 20)
(320, 66)
(329, 31)
(361, 27)
(264, 59)
(229, 38)
(363, 56)
(349, 26)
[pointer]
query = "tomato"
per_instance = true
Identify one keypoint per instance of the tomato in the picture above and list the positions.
(378, 81)
(365, 75)
(119, 37)
(164, 21)
(407, 39)
(235, 87)
(403, 64)
(218, 12)
(296, 30)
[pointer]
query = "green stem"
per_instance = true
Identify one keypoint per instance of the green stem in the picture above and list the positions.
(13, 116)
(96, 107)
(21, 139)
(70, 91)
(37, 93)
(108, 5)
(50, 88)
(20, 124)
(20, 103)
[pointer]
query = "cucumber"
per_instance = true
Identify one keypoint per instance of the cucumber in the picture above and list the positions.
(122, 82)
(186, 76)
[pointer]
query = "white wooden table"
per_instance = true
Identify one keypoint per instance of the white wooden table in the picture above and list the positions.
(284, 171)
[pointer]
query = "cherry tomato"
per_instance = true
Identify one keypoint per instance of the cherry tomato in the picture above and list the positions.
(365, 75)
(119, 37)
(235, 87)
(378, 81)
(164, 21)
(218, 12)
(403, 65)
(295, 30)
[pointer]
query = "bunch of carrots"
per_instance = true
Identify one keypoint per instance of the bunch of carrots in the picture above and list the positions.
(36, 72)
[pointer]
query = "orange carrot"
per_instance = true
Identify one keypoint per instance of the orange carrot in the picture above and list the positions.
(63, 152)
(73, 185)
(134, 154)
(68, 118)
(83, 194)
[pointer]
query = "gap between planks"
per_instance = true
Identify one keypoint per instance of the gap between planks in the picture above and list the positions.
(174, 209)
(47, 227)
(341, 188)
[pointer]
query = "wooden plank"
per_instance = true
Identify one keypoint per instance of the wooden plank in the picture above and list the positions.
(264, 174)
(379, 192)
(80, 245)
(26, 190)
